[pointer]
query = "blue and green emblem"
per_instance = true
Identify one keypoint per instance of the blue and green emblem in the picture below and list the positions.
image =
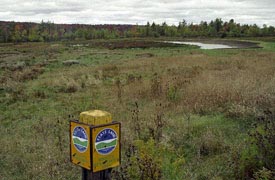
(106, 141)
(80, 139)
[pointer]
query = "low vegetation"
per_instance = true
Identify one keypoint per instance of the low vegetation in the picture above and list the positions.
(186, 113)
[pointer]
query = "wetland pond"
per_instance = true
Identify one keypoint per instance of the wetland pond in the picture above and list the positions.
(217, 44)
(203, 45)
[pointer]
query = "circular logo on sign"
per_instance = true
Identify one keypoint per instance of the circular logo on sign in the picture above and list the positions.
(80, 139)
(106, 141)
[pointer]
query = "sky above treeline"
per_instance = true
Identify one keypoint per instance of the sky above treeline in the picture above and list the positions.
(138, 11)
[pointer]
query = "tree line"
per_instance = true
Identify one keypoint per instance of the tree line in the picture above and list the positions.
(48, 31)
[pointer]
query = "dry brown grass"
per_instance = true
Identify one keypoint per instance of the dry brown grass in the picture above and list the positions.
(203, 84)
(238, 85)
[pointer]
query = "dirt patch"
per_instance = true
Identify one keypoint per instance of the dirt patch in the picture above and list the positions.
(121, 44)
(70, 62)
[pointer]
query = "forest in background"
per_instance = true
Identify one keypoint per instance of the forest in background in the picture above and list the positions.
(48, 31)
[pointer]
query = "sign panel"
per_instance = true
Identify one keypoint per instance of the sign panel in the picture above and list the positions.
(105, 147)
(80, 144)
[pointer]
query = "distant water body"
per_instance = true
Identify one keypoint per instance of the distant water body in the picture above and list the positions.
(203, 45)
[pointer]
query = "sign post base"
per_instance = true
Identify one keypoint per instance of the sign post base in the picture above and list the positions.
(101, 175)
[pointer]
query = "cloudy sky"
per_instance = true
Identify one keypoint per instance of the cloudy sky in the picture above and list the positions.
(138, 11)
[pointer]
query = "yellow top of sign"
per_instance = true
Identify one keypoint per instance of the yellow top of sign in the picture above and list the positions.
(95, 117)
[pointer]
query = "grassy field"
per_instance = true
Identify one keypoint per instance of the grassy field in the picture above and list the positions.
(186, 113)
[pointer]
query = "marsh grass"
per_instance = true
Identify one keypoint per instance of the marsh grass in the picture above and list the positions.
(192, 107)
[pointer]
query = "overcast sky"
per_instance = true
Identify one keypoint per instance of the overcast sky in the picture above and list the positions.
(138, 11)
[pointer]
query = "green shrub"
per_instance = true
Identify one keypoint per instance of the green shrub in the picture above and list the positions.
(261, 152)
(143, 161)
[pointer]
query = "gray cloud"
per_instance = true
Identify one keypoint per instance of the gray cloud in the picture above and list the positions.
(138, 11)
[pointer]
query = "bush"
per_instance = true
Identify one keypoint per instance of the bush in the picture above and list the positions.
(142, 162)
(258, 161)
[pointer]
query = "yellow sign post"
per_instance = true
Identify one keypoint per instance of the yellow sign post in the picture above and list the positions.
(95, 144)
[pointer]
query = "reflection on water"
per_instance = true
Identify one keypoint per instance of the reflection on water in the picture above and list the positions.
(203, 45)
